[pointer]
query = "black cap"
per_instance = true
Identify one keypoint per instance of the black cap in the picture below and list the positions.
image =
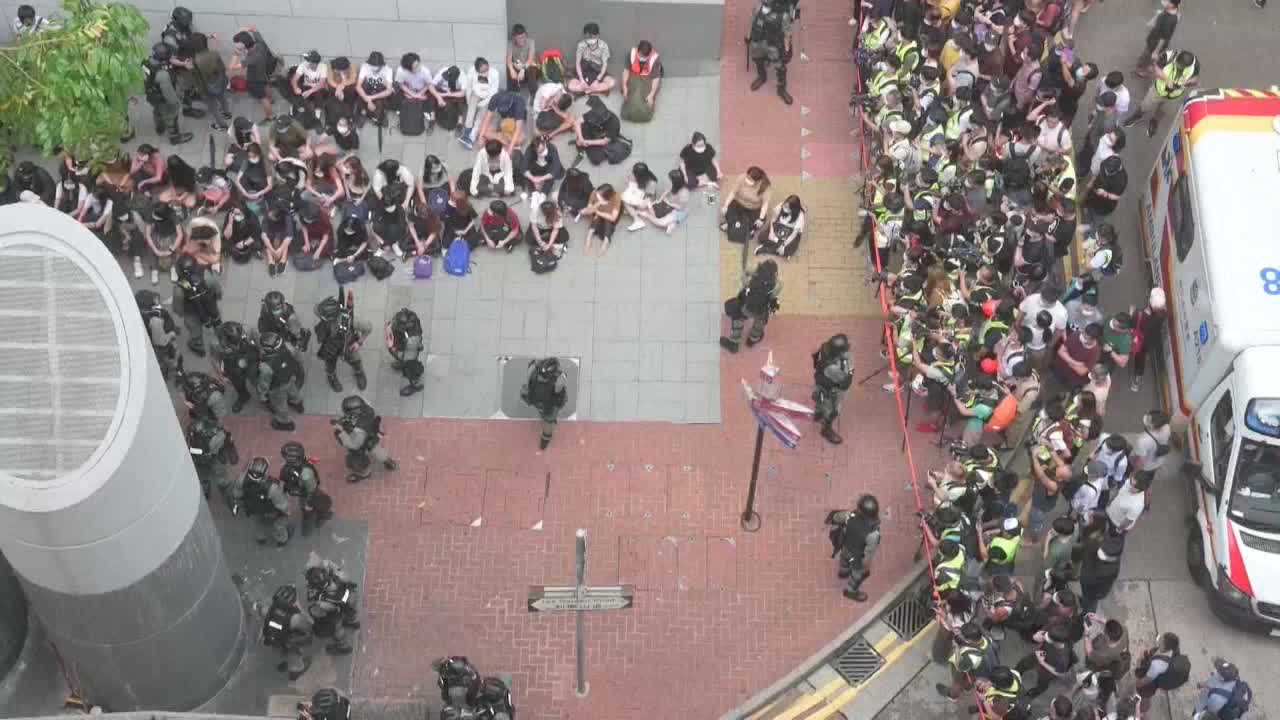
(312, 56)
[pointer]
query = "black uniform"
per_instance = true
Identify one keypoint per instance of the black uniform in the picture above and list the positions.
(237, 358)
(278, 316)
(756, 301)
(860, 540)
(545, 390)
(769, 44)
(404, 342)
(832, 376)
(340, 336)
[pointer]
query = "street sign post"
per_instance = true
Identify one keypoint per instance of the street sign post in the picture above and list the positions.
(580, 598)
(774, 413)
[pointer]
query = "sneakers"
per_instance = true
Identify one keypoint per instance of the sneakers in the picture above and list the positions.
(730, 345)
(1135, 384)
(137, 268)
(173, 274)
(887, 387)
(155, 276)
(271, 269)
(638, 224)
(465, 139)
(856, 595)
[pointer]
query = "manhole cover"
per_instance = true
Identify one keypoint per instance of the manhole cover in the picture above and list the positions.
(908, 617)
(858, 661)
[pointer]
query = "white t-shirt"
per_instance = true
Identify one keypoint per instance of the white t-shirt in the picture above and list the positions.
(479, 90)
(1030, 308)
(309, 78)
(1145, 445)
(546, 93)
(1126, 508)
(1106, 148)
(1054, 139)
(442, 85)
(415, 82)
(1122, 100)
(382, 73)
(1117, 462)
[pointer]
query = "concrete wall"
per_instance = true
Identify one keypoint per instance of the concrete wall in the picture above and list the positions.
(441, 31)
(117, 553)
(685, 32)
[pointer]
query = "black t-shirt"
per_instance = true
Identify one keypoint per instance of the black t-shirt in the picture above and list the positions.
(1166, 23)
(1114, 184)
(698, 163)
(345, 245)
(244, 229)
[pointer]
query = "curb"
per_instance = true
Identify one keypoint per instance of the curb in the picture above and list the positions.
(808, 666)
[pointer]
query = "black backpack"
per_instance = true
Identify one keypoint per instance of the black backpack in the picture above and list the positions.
(1239, 701)
(150, 85)
(1017, 170)
(257, 496)
(165, 316)
(275, 627)
(1177, 674)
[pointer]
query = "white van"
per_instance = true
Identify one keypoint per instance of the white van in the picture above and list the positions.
(1211, 227)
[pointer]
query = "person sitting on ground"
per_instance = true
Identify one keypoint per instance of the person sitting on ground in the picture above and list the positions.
(574, 194)
(148, 170)
(254, 183)
(500, 226)
(310, 80)
(552, 110)
(747, 202)
(461, 220)
(412, 79)
(698, 163)
(287, 139)
(317, 236)
(522, 62)
(641, 191)
(542, 165)
(388, 226)
(435, 185)
(786, 229)
(351, 241)
(374, 84)
(324, 182)
(425, 228)
(503, 121)
(355, 184)
(598, 127)
(392, 171)
(591, 64)
(547, 233)
(27, 22)
(242, 233)
(491, 174)
(604, 209)
(70, 196)
(672, 208)
(340, 86)
(449, 98)
(164, 236)
(641, 80)
(482, 86)
(278, 233)
(205, 243)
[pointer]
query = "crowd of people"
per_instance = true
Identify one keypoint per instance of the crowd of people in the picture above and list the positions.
(975, 194)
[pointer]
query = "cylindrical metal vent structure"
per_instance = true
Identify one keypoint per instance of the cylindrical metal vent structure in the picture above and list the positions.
(100, 510)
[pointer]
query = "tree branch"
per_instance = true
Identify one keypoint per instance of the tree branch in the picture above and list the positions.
(24, 72)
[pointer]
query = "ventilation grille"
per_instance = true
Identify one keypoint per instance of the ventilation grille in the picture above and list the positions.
(60, 368)
(857, 662)
(909, 616)
(1261, 544)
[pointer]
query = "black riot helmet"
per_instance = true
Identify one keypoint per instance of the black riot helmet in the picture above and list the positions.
(352, 404)
(946, 515)
(838, 345)
(181, 18)
(161, 53)
(329, 308)
(274, 303)
(195, 385)
(231, 334)
(186, 267)
(148, 300)
(285, 595)
(293, 453)
(257, 469)
(270, 342)
(549, 368)
(317, 577)
(406, 321)
(869, 507)
(327, 704)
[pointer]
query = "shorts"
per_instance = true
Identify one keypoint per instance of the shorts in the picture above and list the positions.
(603, 229)
(258, 89)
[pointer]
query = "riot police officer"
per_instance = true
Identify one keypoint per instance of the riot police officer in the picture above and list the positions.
(278, 378)
(195, 297)
(545, 391)
(756, 301)
(326, 704)
(179, 35)
(770, 45)
(161, 329)
(302, 480)
(162, 93)
(359, 432)
(404, 342)
(340, 336)
(204, 396)
(832, 376)
(264, 500)
(331, 601)
(277, 316)
(210, 446)
(237, 360)
(494, 699)
(288, 628)
(860, 538)
(458, 680)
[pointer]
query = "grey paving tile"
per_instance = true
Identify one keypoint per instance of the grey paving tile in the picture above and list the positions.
(702, 283)
(388, 400)
(532, 347)
(572, 283)
(484, 282)
(441, 339)
(615, 360)
(650, 361)
(701, 402)
(527, 287)
(476, 337)
(702, 361)
(445, 297)
(461, 386)
(524, 319)
(702, 321)
(673, 361)
(662, 321)
(617, 320)
(665, 251)
(626, 400)
(600, 403)
(617, 283)
(662, 283)
(661, 401)
(478, 309)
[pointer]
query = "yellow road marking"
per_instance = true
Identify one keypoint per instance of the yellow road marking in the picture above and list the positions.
(763, 711)
(886, 643)
(812, 699)
(833, 706)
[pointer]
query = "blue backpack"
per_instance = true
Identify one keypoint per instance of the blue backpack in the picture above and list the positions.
(457, 259)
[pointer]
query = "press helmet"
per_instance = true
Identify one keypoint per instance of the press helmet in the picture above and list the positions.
(284, 596)
(293, 453)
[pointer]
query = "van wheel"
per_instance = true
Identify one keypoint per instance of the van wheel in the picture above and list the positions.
(1195, 557)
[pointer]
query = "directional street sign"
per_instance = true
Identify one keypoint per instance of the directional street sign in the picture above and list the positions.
(603, 597)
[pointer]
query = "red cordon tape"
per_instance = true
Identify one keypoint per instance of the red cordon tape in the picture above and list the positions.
(893, 365)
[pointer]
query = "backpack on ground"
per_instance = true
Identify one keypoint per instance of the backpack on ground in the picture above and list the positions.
(380, 267)
(618, 150)
(1177, 674)
(413, 117)
(552, 64)
(457, 259)
(1239, 700)
(422, 267)
(543, 262)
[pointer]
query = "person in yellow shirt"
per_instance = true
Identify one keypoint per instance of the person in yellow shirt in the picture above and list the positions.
(948, 8)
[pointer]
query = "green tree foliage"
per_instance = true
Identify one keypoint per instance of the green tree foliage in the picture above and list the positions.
(68, 87)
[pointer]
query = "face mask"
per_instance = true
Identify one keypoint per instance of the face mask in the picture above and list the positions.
(700, 148)
(255, 160)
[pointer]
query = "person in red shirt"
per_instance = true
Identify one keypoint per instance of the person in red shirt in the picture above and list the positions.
(500, 226)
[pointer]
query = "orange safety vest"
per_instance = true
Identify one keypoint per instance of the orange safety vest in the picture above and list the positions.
(647, 68)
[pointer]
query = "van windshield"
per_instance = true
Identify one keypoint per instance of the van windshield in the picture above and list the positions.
(1255, 494)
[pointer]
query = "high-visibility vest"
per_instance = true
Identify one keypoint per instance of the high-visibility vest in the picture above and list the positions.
(1010, 547)
(1011, 693)
(925, 138)
(877, 36)
(908, 58)
(953, 123)
(1067, 173)
(881, 82)
(947, 574)
(643, 69)
(1174, 88)
(976, 656)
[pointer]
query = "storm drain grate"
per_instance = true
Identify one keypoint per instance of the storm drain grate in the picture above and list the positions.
(858, 662)
(908, 617)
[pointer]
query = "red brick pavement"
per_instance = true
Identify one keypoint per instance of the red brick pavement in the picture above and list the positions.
(758, 129)
(660, 503)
